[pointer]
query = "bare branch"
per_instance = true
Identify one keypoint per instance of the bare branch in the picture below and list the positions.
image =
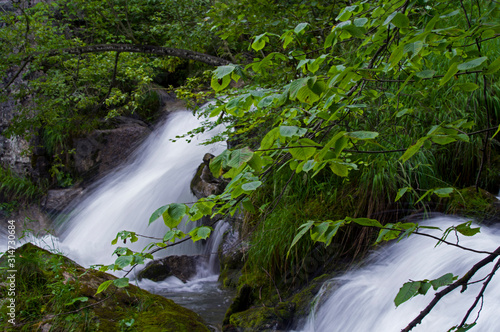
(460, 282)
(481, 293)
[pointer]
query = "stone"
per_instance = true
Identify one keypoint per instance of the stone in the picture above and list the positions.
(101, 151)
(183, 267)
(71, 303)
(57, 199)
(204, 183)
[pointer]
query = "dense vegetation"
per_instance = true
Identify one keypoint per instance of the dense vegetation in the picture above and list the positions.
(343, 112)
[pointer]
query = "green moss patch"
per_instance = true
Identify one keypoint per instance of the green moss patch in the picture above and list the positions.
(53, 292)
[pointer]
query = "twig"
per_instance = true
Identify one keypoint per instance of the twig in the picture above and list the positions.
(481, 293)
(461, 282)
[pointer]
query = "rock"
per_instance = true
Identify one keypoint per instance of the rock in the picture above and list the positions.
(481, 205)
(57, 199)
(204, 183)
(101, 151)
(30, 219)
(70, 302)
(182, 267)
(264, 318)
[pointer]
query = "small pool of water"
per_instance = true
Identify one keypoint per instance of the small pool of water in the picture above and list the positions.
(202, 295)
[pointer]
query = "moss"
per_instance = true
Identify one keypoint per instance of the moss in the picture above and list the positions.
(303, 299)
(479, 205)
(264, 318)
(43, 298)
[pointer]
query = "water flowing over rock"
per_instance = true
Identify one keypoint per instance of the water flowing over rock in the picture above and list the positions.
(363, 299)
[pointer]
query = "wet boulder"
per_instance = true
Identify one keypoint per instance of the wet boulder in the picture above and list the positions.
(182, 267)
(204, 183)
(54, 293)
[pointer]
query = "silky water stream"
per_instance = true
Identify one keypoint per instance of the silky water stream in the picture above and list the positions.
(159, 172)
(362, 300)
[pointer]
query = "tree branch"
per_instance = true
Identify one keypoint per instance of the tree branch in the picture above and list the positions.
(461, 282)
(481, 293)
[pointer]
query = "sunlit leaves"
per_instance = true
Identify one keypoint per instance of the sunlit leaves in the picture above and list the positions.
(260, 41)
(200, 233)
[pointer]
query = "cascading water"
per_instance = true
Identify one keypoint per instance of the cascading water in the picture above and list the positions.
(362, 300)
(159, 173)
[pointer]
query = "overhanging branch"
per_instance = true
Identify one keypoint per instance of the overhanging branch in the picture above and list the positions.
(124, 48)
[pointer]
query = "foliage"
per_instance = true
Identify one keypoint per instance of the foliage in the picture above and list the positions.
(19, 188)
(396, 101)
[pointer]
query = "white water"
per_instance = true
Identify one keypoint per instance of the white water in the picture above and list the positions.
(362, 300)
(158, 173)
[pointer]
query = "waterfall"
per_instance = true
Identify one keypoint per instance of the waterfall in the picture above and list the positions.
(158, 173)
(362, 300)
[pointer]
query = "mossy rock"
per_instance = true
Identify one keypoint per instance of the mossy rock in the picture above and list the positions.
(264, 318)
(47, 285)
(479, 205)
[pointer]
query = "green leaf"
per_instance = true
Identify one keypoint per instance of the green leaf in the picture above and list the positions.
(467, 87)
(443, 192)
(200, 233)
(472, 64)
(426, 73)
(81, 299)
(424, 287)
(172, 217)
(308, 165)
(304, 228)
(218, 84)
(345, 13)
(401, 192)
(406, 292)
(367, 222)
(288, 131)
(443, 281)
(239, 157)
(413, 149)
(250, 186)
(269, 139)
(396, 56)
(362, 135)
(496, 132)
(339, 169)
(493, 67)
(303, 153)
(156, 214)
(121, 282)
(102, 287)
(414, 48)
(300, 27)
(223, 71)
(123, 261)
(442, 139)
(260, 42)
(306, 95)
(466, 230)
(449, 74)
(318, 232)
(400, 20)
